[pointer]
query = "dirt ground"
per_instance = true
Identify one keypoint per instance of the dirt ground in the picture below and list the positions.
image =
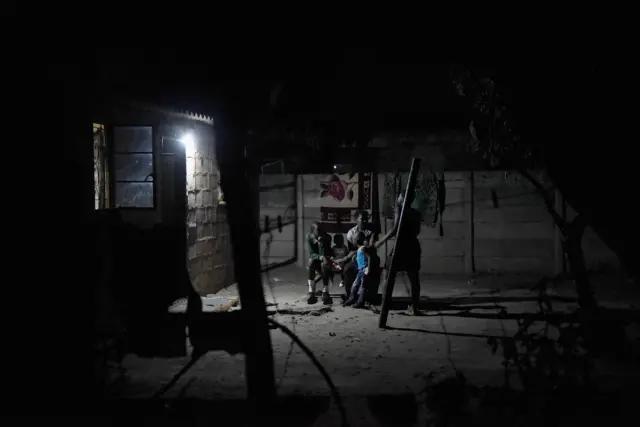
(362, 359)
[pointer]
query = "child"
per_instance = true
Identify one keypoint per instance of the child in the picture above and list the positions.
(319, 248)
(340, 251)
(363, 259)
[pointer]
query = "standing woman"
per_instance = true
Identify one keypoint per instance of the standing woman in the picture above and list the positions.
(408, 254)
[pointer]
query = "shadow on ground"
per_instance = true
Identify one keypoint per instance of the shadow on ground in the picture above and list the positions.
(467, 302)
(394, 410)
(288, 411)
(456, 402)
(450, 402)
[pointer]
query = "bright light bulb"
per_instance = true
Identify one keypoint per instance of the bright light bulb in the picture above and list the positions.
(188, 139)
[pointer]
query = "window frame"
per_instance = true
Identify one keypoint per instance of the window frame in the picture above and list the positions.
(111, 148)
(106, 171)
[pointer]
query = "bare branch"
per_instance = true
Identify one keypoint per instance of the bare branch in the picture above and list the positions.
(557, 219)
(578, 225)
(492, 106)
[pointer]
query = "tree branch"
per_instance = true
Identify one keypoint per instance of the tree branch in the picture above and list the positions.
(557, 219)
(491, 151)
(492, 116)
(578, 225)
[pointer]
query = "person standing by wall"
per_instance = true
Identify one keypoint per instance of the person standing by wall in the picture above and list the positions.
(408, 254)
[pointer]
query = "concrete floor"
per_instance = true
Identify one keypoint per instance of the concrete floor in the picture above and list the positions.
(361, 358)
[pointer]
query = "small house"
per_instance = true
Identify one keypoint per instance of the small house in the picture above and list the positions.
(157, 166)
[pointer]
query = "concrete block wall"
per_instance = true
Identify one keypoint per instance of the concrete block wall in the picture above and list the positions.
(208, 241)
(511, 230)
(311, 189)
(277, 198)
(518, 234)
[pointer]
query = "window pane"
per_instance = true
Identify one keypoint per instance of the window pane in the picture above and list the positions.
(133, 167)
(134, 194)
(132, 138)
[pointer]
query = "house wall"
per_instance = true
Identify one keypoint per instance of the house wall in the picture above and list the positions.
(507, 223)
(208, 242)
(207, 246)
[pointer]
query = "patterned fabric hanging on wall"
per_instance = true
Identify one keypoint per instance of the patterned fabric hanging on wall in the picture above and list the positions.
(430, 196)
(341, 196)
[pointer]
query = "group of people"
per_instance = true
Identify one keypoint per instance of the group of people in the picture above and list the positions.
(357, 262)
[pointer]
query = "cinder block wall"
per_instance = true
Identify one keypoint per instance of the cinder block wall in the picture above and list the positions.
(517, 233)
(512, 230)
(208, 243)
(311, 189)
(277, 198)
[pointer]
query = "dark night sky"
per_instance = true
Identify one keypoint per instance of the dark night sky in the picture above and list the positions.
(372, 89)
(362, 86)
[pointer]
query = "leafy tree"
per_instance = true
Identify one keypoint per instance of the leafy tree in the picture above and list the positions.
(496, 137)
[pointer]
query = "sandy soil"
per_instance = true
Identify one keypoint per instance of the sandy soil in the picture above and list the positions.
(361, 358)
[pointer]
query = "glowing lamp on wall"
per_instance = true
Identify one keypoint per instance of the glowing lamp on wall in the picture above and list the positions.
(189, 141)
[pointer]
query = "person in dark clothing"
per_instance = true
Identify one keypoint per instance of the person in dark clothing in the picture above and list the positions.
(408, 253)
(350, 270)
(319, 247)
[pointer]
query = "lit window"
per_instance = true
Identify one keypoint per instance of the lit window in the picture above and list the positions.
(133, 166)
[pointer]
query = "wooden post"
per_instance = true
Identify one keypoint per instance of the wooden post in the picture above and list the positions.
(470, 256)
(237, 174)
(391, 274)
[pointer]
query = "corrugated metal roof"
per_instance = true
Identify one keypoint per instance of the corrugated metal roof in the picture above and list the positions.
(182, 114)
